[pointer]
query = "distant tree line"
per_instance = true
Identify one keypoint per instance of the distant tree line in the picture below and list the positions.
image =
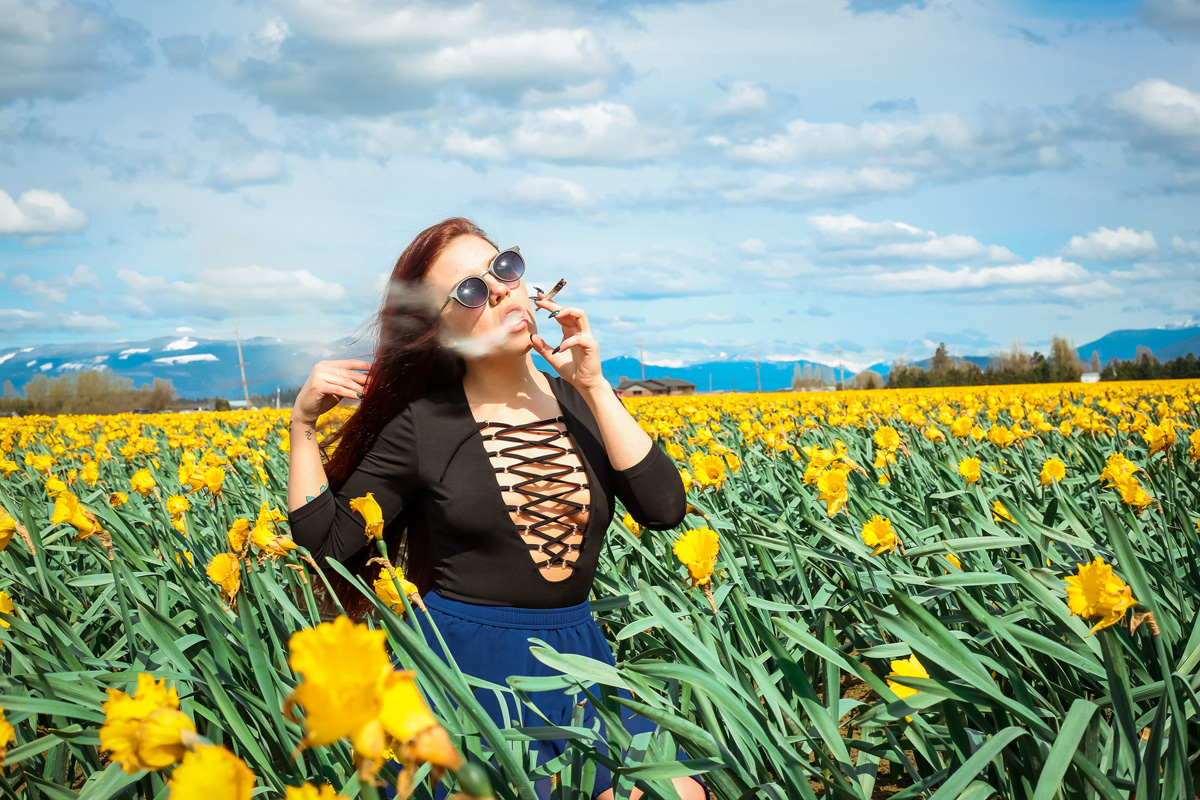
(1145, 367)
(1014, 366)
(85, 391)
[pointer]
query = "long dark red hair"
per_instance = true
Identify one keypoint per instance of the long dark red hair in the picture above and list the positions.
(408, 358)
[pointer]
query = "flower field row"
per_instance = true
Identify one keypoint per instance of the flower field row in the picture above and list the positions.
(948, 593)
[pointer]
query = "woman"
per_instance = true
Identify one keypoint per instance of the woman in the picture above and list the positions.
(496, 480)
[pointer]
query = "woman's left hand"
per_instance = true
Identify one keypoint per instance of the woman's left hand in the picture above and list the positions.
(578, 356)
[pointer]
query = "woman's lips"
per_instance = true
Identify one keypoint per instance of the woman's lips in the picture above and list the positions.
(515, 320)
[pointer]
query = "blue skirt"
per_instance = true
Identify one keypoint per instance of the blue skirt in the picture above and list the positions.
(489, 642)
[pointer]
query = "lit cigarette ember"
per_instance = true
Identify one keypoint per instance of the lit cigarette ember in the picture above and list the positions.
(557, 288)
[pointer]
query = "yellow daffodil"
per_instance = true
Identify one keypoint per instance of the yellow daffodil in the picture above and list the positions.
(1000, 513)
(886, 438)
(631, 525)
(910, 667)
(225, 571)
(211, 772)
(8, 526)
(371, 513)
(697, 550)
(953, 559)
(709, 471)
(68, 509)
(1118, 469)
(385, 590)
(350, 690)
(146, 731)
(264, 536)
(8, 735)
(968, 468)
(877, 533)
(239, 534)
(1096, 592)
(7, 607)
(1053, 471)
(834, 493)
(142, 482)
(686, 478)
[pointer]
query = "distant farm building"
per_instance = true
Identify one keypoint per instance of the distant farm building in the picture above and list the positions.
(654, 387)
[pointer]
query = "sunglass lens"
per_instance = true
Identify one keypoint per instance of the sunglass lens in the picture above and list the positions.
(473, 292)
(509, 266)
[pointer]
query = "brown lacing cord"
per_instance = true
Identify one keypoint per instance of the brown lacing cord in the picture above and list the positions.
(543, 519)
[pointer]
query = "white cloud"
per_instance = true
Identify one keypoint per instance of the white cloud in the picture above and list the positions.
(54, 290)
(361, 57)
(1040, 271)
(61, 50)
(216, 293)
(849, 230)
(741, 97)
(1092, 290)
(82, 278)
(15, 319)
(37, 289)
(570, 56)
(88, 322)
(752, 246)
(1162, 117)
(1184, 247)
(859, 240)
(823, 188)
(942, 145)
(598, 132)
(552, 192)
(1122, 246)
(38, 211)
(257, 170)
(487, 148)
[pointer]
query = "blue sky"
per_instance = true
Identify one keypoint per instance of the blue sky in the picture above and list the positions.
(709, 177)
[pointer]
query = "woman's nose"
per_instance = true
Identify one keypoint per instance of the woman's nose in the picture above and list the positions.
(499, 289)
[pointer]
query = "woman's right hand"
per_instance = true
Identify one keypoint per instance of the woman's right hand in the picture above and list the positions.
(327, 384)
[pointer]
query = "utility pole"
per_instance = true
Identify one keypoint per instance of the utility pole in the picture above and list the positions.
(641, 358)
(756, 372)
(241, 364)
(276, 398)
(841, 370)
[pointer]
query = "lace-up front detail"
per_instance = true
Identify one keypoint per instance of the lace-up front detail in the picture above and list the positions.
(554, 515)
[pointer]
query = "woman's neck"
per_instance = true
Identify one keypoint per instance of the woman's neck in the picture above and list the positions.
(503, 380)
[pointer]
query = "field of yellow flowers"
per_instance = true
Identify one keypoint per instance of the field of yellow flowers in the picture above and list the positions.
(958, 593)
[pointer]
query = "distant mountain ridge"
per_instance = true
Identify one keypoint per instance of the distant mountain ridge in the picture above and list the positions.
(201, 367)
(1165, 343)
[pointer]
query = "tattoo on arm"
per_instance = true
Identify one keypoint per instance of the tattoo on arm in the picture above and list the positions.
(323, 488)
(308, 434)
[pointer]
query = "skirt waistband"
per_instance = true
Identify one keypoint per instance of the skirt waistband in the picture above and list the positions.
(511, 616)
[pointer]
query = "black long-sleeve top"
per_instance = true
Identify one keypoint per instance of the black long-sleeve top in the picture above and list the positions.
(430, 460)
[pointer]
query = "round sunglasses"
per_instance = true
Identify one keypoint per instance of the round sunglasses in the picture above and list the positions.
(472, 291)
